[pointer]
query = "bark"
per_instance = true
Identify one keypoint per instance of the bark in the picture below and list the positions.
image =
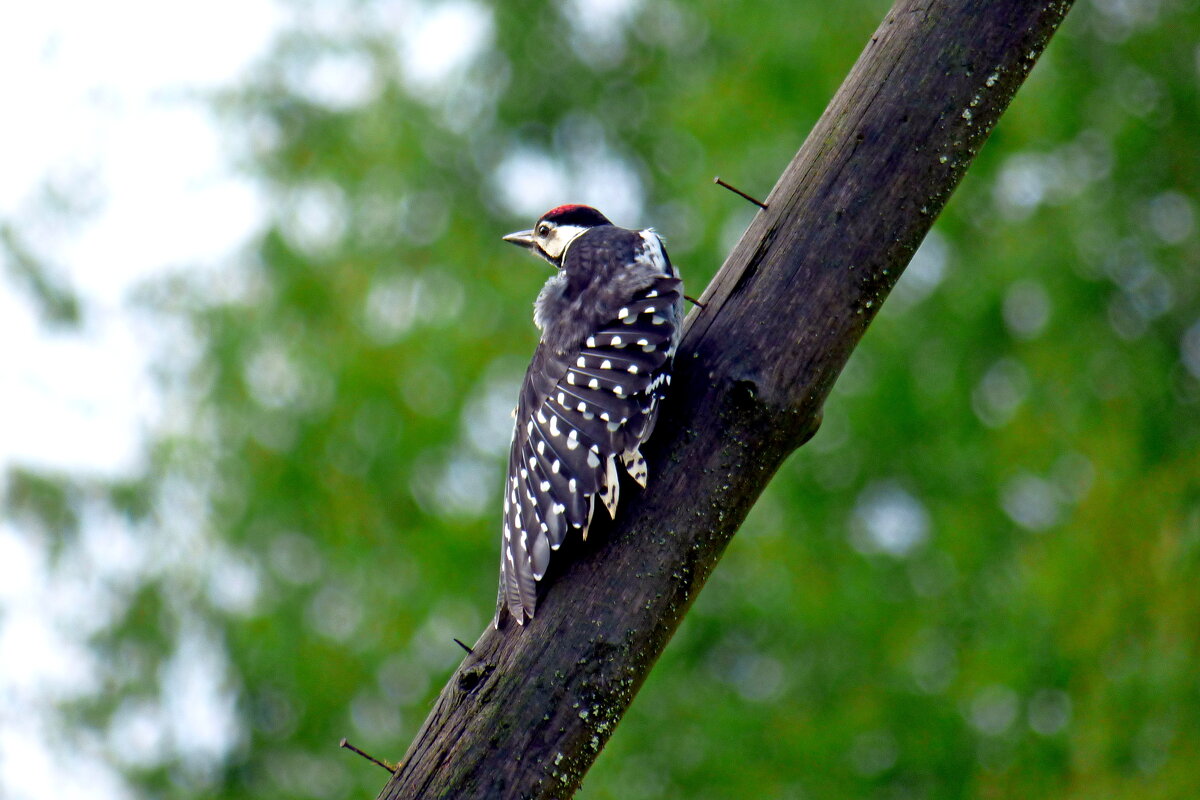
(526, 713)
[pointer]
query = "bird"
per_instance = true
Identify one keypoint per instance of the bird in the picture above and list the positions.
(610, 321)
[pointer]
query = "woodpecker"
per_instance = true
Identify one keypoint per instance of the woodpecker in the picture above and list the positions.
(610, 322)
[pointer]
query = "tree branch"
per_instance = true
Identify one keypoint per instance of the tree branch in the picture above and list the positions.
(526, 713)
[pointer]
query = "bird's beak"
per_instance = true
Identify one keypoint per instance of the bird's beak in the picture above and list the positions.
(521, 239)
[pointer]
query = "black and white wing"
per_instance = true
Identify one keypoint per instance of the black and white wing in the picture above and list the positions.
(581, 416)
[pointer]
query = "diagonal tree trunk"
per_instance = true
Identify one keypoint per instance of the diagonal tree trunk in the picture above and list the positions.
(528, 711)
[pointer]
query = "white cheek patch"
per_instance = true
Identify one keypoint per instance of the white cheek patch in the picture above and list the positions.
(560, 238)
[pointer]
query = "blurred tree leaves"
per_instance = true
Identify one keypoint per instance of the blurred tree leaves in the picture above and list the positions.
(55, 303)
(977, 580)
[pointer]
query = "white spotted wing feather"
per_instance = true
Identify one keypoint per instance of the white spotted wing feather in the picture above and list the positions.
(581, 421)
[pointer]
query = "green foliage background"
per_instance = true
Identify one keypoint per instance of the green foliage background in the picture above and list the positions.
(978, 580)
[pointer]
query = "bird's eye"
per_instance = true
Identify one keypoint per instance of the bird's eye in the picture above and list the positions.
(543, 230)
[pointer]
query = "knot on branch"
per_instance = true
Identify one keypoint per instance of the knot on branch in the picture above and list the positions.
(754, 406)
(470, 678)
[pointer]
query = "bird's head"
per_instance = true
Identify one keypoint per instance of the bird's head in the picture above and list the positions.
(556, 229)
